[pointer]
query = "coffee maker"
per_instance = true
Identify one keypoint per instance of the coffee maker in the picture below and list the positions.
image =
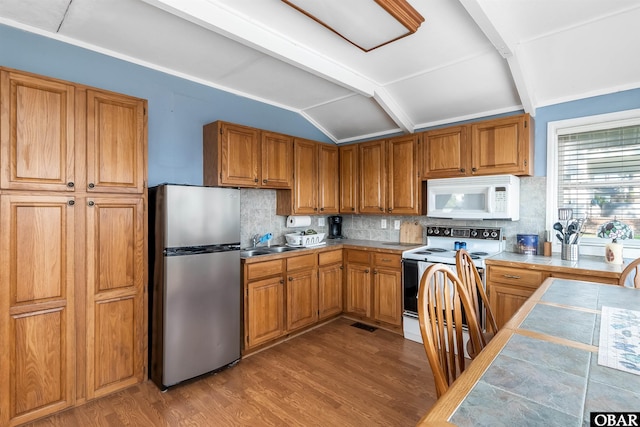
(335, 227)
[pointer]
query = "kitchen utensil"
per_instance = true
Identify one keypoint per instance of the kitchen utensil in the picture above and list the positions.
(565, 214)
(572, 229)
(558, 227)
(559, 236)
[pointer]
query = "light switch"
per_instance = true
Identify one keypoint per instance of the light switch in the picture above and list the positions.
(383, 223)
(321, 222)
(396, 224)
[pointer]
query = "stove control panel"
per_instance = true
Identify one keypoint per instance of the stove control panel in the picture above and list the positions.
(465, 232)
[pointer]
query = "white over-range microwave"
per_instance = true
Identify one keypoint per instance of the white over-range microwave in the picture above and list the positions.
(475, 197)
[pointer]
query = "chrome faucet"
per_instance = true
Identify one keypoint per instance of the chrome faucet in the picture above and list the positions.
(257, 239)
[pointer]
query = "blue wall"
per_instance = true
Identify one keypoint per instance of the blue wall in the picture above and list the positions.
(179, 108)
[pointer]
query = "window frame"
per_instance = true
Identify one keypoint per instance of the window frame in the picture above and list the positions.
(592, 246)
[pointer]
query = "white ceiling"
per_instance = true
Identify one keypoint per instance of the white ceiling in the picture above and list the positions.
(470, 58)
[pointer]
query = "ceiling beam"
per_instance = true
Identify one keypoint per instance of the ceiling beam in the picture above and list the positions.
(241, 29)
(476, 12)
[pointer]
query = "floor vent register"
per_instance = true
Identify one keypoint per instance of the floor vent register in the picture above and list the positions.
(363, 326)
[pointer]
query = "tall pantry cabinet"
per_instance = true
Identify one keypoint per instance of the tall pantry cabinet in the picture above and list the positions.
(72, 244)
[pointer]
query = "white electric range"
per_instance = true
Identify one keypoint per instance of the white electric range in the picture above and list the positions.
(442, 243)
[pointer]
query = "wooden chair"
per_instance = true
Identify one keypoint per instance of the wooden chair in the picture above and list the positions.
(468, 274)
(633, 266)
(441, 298)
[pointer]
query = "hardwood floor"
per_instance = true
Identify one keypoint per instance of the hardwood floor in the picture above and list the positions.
(335, 375)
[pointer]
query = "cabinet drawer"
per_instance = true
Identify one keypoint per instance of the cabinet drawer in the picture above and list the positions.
(264, 269)
(300, 262)
(514, 276)
(387, 260)
(325, 258)
(360, 257)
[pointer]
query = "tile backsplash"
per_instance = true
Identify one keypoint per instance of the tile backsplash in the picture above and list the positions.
(258, 209)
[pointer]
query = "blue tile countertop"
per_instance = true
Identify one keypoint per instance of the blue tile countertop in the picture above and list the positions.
(541, 368)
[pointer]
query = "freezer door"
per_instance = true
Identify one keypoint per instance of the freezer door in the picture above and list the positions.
(201, 321)
(198, 216)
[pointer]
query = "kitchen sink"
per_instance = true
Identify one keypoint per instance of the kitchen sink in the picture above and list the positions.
(246, 253)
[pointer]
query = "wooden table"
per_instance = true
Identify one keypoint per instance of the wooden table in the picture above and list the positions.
(541, 368)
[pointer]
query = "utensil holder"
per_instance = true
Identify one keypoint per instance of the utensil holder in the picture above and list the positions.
(569, 251)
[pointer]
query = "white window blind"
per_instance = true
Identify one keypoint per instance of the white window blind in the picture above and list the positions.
(599, 176)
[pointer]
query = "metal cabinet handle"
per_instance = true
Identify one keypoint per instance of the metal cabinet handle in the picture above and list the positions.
(264, 181)
(375, 271)
(366, 271)
(71, 202)
(321, 209)
(291, 279)
(70, 184)
(511, 276)
(381, 209)
(353, 209)
(91, 185)
(390, 210)
(474, 169)
(281, 281)
(385, 260)
(91, 203)
(462, 170)
(255, 179)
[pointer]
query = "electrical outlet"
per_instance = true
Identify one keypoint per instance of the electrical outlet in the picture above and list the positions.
(383, 223)
(396, 224)
(321, 222)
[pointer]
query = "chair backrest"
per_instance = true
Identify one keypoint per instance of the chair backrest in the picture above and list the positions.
(634, 266)
(469, 276)
(441, 298)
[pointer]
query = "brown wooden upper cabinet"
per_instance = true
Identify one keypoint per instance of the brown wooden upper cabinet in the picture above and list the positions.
(389, 176)
(242, 156)
(349, 179)
(57, 136)
(490, 147)
(316, 180)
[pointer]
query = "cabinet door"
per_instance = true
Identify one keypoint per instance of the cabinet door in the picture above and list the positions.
(387, 296)
(37, 341)
(403, 179)
(306, 178)
(277, 160)
(36, 133)
(349, 179)
(265, 310)
(373, 178)
(328, 179)
(116, 316)
(358, 290)
(329, 291)
(501, 146)
(446, 153)
(238, 156)
(505, 300)
(116, 143)
(302, 298)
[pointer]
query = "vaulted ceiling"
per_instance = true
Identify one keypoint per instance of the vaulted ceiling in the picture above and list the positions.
(468, 59)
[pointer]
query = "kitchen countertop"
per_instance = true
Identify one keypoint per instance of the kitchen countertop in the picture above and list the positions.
(376, 246)
(585, 263)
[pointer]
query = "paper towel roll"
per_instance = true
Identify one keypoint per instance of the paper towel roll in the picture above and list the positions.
(298, 221)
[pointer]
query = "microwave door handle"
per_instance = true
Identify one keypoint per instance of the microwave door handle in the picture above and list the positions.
(491, 199)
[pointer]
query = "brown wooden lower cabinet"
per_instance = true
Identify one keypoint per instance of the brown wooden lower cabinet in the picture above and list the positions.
(289, 294)
(373, 287)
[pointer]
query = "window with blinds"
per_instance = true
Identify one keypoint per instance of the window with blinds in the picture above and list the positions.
(599, 176)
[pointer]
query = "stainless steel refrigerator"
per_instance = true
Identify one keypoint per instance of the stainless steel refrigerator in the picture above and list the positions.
(194, 281)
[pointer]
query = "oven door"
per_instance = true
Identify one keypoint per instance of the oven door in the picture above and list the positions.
(412, 271)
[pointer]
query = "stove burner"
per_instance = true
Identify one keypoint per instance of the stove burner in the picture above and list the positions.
(479, 253)
(437, 250)
(423, 253)
(473, 255)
